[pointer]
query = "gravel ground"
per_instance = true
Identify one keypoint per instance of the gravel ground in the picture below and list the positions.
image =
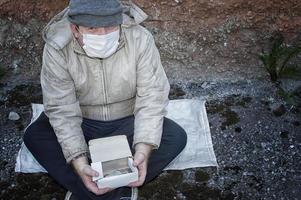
(256, 137)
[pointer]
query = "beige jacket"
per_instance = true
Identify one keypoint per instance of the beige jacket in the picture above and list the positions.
(131, 81)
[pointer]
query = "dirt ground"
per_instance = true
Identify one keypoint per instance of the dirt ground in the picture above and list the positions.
(209, 49)
(198, 39)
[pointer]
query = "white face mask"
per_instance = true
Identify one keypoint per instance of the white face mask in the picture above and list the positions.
(101, 46)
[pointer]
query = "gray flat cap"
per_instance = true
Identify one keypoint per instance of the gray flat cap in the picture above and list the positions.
(95, 13)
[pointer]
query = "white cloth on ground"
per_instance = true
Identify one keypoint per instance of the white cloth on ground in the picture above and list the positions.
(188, 113)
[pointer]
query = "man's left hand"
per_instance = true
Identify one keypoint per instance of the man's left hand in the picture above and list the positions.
(142, 153)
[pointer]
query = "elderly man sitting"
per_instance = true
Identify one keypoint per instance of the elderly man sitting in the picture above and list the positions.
(102, 76)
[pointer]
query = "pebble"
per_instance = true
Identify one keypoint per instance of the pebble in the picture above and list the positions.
(279, 110)
(204, 85)
(263, 144)
(13, 116)
(248, 174)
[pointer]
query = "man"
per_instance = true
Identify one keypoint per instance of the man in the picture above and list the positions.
(102, 76)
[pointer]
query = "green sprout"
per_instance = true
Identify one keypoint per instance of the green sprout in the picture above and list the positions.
(291, 97)
(2, 72)
(276, 60)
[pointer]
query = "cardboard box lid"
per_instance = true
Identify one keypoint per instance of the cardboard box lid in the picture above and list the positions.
(109, 148)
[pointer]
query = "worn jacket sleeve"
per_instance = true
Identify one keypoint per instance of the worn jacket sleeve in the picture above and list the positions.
(61, 104)
(151, 97)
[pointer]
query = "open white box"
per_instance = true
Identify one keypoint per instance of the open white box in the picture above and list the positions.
(112, 159)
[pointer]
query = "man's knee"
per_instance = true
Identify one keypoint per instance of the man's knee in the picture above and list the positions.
(178, 135)
(40, 130)
(181, 138)
(28, 137)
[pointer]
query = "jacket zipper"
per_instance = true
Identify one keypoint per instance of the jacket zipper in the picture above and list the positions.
(105, 111)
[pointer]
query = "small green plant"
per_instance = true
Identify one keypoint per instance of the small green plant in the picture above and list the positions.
(276, 60)
(2, 72)
(291, 97)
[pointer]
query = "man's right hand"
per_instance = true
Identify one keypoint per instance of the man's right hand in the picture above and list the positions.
(85, 172)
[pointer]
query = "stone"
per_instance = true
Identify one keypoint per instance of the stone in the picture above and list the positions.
(13, 116)
(204, 85)
(279, 111)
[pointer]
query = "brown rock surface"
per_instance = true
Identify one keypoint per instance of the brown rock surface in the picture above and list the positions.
(198, 39)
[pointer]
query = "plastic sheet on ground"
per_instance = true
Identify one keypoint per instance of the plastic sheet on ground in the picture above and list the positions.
(188, 113)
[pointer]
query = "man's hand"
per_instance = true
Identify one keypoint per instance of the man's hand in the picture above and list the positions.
(85, 172)
(142, 153)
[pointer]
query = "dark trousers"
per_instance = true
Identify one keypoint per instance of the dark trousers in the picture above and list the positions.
(41, 140)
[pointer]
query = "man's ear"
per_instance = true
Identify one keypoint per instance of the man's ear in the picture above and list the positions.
(74, 30)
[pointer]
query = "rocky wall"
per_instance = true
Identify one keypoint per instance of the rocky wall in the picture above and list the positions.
(208, 40)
